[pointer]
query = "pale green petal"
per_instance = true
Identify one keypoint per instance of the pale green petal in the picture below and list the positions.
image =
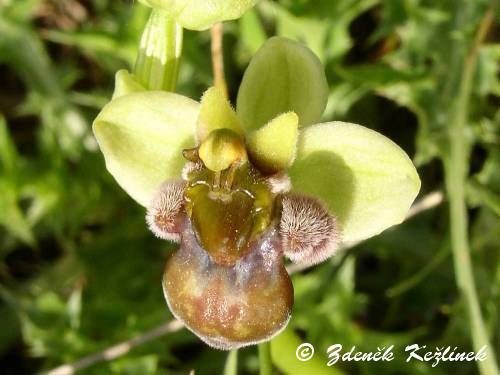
(126, 83)
(366, 180)
(283, 76)
(272, 147)
(142, 136)
(216, 113)
(201, 14)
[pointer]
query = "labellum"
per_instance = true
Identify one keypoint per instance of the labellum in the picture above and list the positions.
(229, 306)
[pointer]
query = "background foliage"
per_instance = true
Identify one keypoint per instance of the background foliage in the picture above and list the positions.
(78, 269)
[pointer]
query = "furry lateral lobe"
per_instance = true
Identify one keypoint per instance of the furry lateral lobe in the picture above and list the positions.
(309, 234)
(165, 213)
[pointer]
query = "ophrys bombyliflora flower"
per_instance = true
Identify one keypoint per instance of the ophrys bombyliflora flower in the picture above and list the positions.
(241, 189)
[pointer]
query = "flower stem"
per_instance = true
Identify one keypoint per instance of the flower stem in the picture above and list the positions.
(231, 367)
(456, 175)
(157, 65)
(216, 33)
(266, 367)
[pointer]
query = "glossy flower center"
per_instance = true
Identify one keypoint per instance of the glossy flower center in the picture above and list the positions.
(228, 209)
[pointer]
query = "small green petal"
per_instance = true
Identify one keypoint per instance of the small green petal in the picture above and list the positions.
(283, 76)
(142, 136)
(201, 14)
(126, 83)
(272, 147)
(366, 180)
(216, 113)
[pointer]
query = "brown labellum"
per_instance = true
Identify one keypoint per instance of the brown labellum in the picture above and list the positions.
(229, 306)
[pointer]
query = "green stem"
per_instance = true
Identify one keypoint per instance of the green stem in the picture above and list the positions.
(456, 176)
(266, 366)
(231, 367)
(157, 65)
(405, 285)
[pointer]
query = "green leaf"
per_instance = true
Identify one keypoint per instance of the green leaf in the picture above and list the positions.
(99, 44)
(283, 351)
(32, 62)
(480, 195)
(147, 364)
(216, 113)
(283, 76)
(33, 65)
(13, 218)
(10, 327)
(272, 147)
(8, 153)
(201, 14)
(142, 136)
(126, 83)
(366, 180)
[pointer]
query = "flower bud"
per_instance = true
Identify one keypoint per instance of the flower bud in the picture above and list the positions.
(157, 63)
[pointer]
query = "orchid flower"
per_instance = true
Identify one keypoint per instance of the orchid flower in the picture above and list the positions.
(242, 189)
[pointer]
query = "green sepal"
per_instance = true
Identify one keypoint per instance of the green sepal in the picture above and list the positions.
(201, 14)
(125, 84)
(142, 136)
(272, 147)
(216, 113)
(283, 76)
(366, 180)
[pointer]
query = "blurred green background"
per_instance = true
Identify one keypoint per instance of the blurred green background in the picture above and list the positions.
(79, 270)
